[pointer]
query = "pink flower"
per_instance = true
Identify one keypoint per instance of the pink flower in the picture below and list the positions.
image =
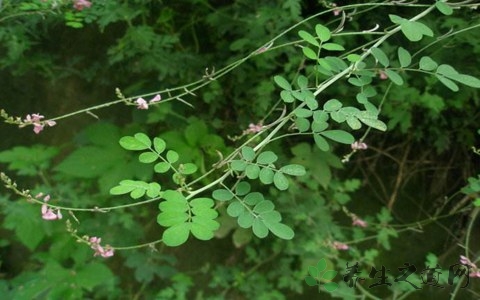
(475, 271)
(141, 103)
(157, 98)
(359, 222)
(36, 121)
(81, 4)
(47, 212)
(254, 128)
(336, 12)
(99, 250)
(359, 146)
(383, 75)
(340, 246)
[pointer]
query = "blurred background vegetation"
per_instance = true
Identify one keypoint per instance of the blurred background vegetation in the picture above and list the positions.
(55, 59)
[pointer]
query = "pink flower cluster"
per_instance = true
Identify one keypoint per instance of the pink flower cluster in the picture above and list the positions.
(253, 128)
(81, 4)
(48, 213)
(38, 124)
(339, 246)
(359, 146)
(356, 221)
(99, 250)
(475, 270)
(143, 104)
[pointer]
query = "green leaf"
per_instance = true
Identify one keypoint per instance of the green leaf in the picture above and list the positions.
(309, 53)
(222, 195)
(252, 171)
(404, 57)
(302, 82)
(308, 38)
(172, 156)
(147, 157)
(282, 82)
(202, 202)
(469, 80)
(414, 31)
(201, 232)
(322, 32)
(353, 122)
(293, 170)
(138, 193)
(444, 8)
(302, 124)
(204, 212)
(133, 143)
(171, 218)
(253, 198)
(271, 216)
(303, 112)
(161, 167)
(187, 169)
(266, 175)
(245, 220)
(353, 58)
(332, 105)
(427, 64)
(394, 77)
(447, 71)
(332, 47)
(124, 187)
(322, 265)
(287, 96)
(248, 153)
(238, 165)
(242, 188)
(266, 158)
(280, 181)
(235, 209)
(173, 206)
(448, 83)
(329, 275)
(264, 207)
(410, 31)
(174, 197)
(280, 230)
(380, 56)
(259, 228)
(330, 286)
(176, 235)
(339, 136)
(396, 19)
(310, 281)
(153, 190)
(374, 123)
(159, 145)
(321, 142)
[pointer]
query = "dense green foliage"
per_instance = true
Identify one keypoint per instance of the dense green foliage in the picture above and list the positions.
(250, 150)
